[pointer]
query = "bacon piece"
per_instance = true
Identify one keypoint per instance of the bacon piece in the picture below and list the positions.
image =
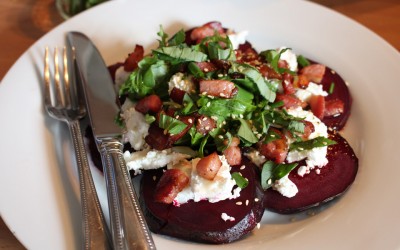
(206, 30)
(301, 82)
(206, 66)
(287, 84)
(233, 153)
(171, 183)
(269, 72)
(275, 150)
(289, 101)
(149, 104)
(333, 107)
(131, 63)
(218, 88)
(314, 72)
(248, 55)
(157, 139)
(209, 166)
(317, 104)
(308, 129)
(205, 124)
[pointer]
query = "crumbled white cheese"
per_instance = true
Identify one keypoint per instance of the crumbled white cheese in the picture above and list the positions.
(285, 186)
(302, 170)
(312, 89)
(152, 159)
(255, 157)
(290, 57)
(238, 38)
(136, 126)
(199, 188)
(316, 156)
(182, 82)
(226, 217)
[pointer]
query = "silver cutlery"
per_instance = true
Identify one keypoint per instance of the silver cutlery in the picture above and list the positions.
(128, 225)
(62, 102)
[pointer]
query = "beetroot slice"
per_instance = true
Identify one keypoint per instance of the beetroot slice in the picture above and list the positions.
(315, 189)
(340, 92)
(201, 221)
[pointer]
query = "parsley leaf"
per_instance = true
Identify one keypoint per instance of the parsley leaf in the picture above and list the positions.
(245, 132)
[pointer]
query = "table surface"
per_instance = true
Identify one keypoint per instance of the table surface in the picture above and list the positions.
(22, 22)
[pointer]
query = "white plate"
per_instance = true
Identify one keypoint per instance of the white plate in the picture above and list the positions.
(39, 191)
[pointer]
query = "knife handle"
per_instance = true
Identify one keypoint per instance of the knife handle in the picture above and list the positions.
(128, 225)
(95, 231)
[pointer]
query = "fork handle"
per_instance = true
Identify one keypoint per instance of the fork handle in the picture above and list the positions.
(95, 232)
(128, 225)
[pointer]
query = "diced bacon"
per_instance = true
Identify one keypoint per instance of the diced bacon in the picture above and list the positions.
(233, 153)
(209, 166)
(171, 183)
(157, 139)
(287, 84)
(218, 88)
(131, 62)
(206, 66)
(289, 101)
(269, 72)
(333, 107)
(177, 95)
(205, 124)
(275, 150)
(249, 55)
(206, 30)
(221, 64)
(282, 64)
(308, 129)
(314, 72)
(301, 82)
(149, 104)
(317, 104)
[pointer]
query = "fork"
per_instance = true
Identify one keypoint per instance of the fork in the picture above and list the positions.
(62, 102)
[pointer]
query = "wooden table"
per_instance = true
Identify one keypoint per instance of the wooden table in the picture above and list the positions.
(22, 22)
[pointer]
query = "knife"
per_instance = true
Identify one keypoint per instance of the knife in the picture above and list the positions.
(128, 226)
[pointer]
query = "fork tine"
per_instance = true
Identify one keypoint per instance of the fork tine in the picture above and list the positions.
(58, 97)
(47, 95)
(67, 93)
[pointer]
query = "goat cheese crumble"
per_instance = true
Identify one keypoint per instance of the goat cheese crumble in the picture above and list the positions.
(199, 188)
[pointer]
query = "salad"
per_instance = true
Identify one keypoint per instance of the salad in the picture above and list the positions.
(219, 132)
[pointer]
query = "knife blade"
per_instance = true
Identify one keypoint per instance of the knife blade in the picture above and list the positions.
(128, 226)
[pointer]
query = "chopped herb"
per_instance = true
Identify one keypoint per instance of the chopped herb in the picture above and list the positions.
(272, 172)
(119, 121)
(149, 118)
(310, 144)
(245, 132)
(302, 61)
(240, 180)
(331, 88)
(172, 125)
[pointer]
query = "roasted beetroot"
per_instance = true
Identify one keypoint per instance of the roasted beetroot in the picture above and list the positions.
(315, 189)
(202, 221)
